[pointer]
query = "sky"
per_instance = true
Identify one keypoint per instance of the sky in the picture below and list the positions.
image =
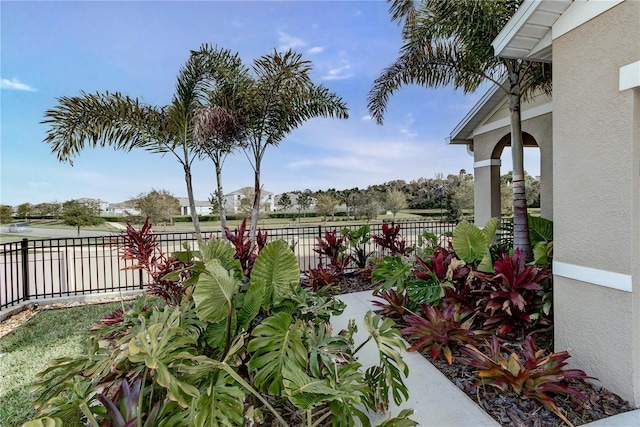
(55, 48)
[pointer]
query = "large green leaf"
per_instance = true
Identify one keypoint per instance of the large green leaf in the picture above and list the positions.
(214, 292)
(222, 404)
(277, 266)
(390, 343)
(306, 392)
(472, 243)
(469, 241)
(249, 304)
(540, 229)
(277, 341)
(222, 251)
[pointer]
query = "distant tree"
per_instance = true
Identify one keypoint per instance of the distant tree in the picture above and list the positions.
(459, 194)
(159, 206)
(218, 203)
(326, 205)
(368, 203)
(6, 214)
(284, 202)
(79, 215)
(394, 201)
(24, 210)
(244, 203)
(304, 201)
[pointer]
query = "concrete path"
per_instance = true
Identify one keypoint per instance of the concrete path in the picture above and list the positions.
(435, 400)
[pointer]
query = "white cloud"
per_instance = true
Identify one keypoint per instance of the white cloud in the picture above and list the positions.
(15, 84)
(367, 118)
(316, 49)
(289, 42)
(338, 73)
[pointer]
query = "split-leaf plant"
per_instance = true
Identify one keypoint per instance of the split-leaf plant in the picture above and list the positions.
(229, 353)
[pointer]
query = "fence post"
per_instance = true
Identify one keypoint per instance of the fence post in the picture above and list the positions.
(25, 267)
(141, 279)
(319, 231)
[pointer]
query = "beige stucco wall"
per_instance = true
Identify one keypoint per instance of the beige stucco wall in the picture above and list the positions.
(596, 191)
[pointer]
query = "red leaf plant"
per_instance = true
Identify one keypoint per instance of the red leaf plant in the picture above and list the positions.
(438, 332)
(512, 294)
(240, 239)
(141, 246)
(534, 378)
(391, 240)
(333, 247)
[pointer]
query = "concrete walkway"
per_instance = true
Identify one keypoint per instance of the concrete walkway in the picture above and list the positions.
(435, 400)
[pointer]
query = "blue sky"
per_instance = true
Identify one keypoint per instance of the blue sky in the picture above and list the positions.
(52, 49)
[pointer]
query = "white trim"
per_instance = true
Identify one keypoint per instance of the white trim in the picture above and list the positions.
(524, 12)
(578, 13)
(505, 121)
(488, 162)
(630, 76)
(605, 278)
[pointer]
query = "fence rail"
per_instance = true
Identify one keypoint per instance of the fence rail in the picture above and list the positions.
(37, 269)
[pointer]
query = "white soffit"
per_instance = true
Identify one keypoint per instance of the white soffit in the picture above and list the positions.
(528, 32)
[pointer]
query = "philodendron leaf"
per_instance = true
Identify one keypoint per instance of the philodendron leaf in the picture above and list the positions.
(306, 392)
(276, 341)
(214, 292)
(222, 251)
(469, 242)
(277, 266)
(540, 229)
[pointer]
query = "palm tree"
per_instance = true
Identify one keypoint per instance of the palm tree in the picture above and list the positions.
(282, 97)
(449, 43)
(124, 123)
(220, 125)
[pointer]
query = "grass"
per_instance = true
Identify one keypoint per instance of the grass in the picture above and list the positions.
(25, 352)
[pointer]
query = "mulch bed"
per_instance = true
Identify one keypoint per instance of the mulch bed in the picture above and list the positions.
(510, 410)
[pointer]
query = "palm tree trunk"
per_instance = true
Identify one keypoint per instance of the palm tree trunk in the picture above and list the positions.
(192, 202)
(221, 209)
(255, 211)
(521, 238)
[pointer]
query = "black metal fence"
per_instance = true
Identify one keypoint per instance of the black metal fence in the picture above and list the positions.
(37, 269)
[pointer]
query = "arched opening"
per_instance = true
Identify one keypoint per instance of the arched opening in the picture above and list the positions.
(532, 168)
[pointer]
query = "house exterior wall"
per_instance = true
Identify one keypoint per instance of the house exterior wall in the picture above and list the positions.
(596, 199)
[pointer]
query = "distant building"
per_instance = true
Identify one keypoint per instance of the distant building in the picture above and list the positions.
(231, 200)
(121, 209)
(202, 207)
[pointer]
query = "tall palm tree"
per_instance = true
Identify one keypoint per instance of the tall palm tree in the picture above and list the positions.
(282, 97)
(124, 123)
(220, 125)
(449, 43)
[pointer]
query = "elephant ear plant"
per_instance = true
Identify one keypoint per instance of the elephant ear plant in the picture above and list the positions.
(232, 352)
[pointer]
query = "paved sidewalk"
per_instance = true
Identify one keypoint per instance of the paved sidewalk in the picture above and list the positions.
(435, 400)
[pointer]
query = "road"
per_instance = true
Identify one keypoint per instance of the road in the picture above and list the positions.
(57, 233)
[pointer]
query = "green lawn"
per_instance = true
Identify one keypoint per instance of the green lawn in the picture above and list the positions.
(25, 351)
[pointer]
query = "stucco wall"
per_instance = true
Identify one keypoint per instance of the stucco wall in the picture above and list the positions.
(596, 195)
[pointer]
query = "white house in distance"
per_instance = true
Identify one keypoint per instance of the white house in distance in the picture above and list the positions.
(121, 209)
(231, 200)
(202, 207)
(588, 137)
(294, 203)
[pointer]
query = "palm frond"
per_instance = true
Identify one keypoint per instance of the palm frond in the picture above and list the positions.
(99, 120)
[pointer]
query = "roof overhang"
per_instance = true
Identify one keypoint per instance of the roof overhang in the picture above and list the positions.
(528, 35)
